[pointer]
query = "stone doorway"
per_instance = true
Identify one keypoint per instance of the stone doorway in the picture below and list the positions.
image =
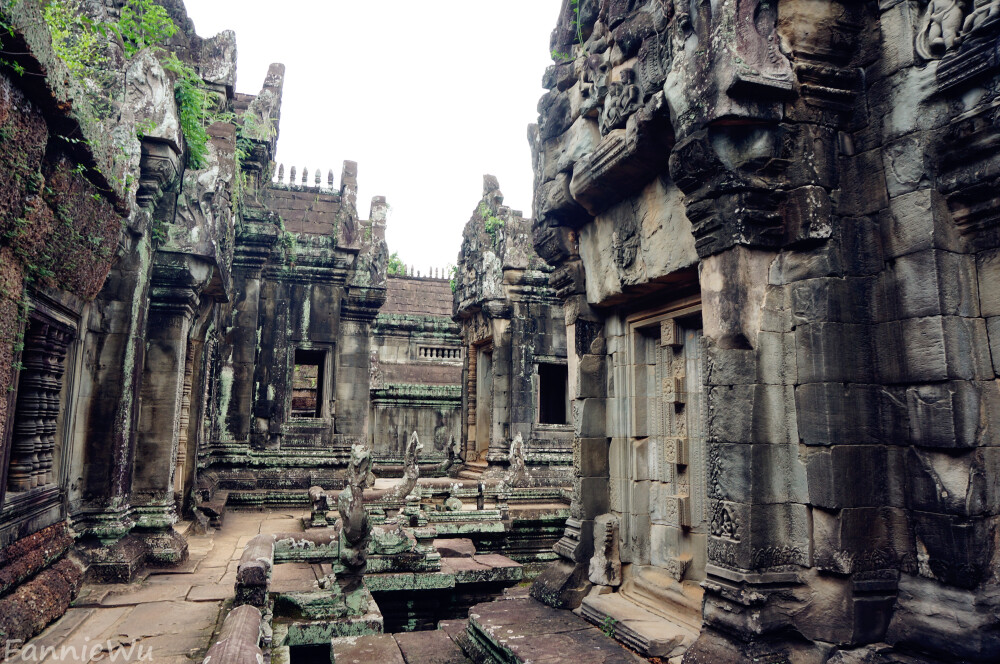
(658, 484)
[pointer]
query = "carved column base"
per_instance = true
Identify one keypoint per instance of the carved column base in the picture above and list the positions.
(164, 548)
(749, 605)
(577, 543)
(121, 562)
(156, 515)
(714, 646)
(106, 525)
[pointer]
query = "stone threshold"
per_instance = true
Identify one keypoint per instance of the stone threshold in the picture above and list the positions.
(644, 631)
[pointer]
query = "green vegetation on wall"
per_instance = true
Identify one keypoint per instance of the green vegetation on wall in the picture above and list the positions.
(395, 268)
(491, 222)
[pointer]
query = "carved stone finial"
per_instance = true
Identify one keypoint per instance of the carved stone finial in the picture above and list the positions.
(606, 564)
(281, 172)
(329, 178)
(411, 471)
(517, 472)
(317, 179)
(320, 506)
(291, 176)
(356, 528)
(305, 176)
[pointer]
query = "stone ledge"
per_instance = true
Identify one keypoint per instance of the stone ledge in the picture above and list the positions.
(646, 632)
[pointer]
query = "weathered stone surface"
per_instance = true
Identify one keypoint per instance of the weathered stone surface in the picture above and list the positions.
(429, 647)
(371, 648)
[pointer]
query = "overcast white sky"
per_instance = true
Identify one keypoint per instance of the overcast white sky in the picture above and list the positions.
(425, 96)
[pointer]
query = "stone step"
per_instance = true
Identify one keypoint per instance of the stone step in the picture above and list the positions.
(646, 632)
(519, 631)
(472, 470)
(380, 648)
(427, 647)
(430, 647)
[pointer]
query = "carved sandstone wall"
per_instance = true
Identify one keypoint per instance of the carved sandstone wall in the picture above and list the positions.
(417, 371)
(773, 228)
(515, 343)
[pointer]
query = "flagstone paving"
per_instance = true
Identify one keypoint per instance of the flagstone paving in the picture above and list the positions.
(170, 616)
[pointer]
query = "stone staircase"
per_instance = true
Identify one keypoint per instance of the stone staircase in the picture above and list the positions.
(472, 470)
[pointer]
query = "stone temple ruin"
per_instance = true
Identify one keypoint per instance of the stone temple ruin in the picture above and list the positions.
(728, 395)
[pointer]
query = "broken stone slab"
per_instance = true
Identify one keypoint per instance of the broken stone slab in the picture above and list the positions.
(310, 632)
(380, 648)
(429, 647)
(406, 581)
(239, 639)
(525, 630)
(648, 633)
(458, 547)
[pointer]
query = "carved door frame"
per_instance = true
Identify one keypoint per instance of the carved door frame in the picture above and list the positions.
(665, 453)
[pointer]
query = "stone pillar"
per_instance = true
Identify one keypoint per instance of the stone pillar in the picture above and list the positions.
(470, 401)
(500, 425)
(566, 583)
(163, 380)
(235, 421)
(353, 375)
(114, 348)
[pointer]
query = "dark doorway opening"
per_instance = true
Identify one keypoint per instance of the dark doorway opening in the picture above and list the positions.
(553, 380)
(307, 383)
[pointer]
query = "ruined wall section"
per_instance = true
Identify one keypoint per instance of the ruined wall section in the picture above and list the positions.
(310, 279)
(511, 327)
(814, 179)
(113, 257)
(416, 371)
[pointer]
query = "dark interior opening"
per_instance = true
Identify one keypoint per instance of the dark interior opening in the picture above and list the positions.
(307, 383)
(553, 380)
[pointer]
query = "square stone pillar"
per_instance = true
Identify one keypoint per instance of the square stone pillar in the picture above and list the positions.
(161, 394)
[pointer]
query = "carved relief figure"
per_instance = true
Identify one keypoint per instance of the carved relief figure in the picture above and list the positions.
(941, 30)
(622, 100)
(411, 471)
(986, 11)
(594, 85)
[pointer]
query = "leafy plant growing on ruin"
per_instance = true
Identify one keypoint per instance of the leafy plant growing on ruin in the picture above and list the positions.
(491, 222)
(75, 38)
(453, 278)
(608, 626)
(193, 105)
(395, 267)
(142, 24)
(575, 4)
(79, 43)
(6, 5)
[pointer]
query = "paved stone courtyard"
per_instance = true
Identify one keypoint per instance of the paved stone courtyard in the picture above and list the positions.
(171, 616)
(172, 613)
